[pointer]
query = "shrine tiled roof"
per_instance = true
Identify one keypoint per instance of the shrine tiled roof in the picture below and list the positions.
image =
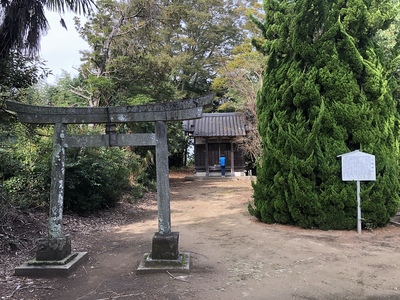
(216, 125)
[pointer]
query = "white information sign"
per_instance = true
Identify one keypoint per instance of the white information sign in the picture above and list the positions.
(358, 166)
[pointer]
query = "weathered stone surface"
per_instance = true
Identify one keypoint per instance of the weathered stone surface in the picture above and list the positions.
(106, 140)
(62, 262)
(165, 246)
(53, 248)
(51, 270)
(57, 182)
(148, 265)
(163, 197)
(179, 110)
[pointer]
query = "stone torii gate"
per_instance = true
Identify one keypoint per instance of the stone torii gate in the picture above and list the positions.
(54, 250)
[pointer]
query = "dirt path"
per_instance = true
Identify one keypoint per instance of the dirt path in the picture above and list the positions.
(233, 255)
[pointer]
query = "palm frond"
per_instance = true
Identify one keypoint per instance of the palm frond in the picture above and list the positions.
(76, 6)
(23, 24)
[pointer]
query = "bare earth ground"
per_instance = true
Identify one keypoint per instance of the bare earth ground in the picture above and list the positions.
(233, 255)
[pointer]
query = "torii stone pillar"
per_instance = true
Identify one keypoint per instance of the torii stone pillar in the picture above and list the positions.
(165, 243)
(56, 246)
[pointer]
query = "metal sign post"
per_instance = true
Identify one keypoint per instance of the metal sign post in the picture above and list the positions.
(358, 166)
(358, 207)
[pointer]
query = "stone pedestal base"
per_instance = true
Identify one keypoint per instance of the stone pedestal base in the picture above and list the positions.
(65, 267)
(165, 246)
(180, 265)
(52, 249)
(165, 256)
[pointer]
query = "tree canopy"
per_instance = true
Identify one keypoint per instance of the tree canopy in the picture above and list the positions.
(157, 50)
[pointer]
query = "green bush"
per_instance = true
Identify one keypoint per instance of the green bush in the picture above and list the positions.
(25, 167)
(95, 179)
(28, 190)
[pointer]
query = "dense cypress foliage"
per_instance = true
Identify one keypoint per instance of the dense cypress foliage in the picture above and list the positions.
(327, 91)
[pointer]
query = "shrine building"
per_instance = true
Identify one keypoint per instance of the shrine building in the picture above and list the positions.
(215, 134)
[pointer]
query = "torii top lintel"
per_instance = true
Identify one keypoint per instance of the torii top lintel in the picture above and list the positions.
(169, 111)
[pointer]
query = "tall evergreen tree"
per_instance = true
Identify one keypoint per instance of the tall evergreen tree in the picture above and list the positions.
(326, 92)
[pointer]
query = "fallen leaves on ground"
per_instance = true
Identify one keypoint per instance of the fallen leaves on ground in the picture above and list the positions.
(20, 229)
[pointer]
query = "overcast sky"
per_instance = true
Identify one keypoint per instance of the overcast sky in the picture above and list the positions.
(60, 48)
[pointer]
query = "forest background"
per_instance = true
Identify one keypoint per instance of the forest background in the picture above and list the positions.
(140, 52)
(158, 51)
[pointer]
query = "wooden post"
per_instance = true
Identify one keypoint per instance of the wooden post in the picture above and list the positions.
(57, 181)
(207, 160)
(232, 158)
(163, 198)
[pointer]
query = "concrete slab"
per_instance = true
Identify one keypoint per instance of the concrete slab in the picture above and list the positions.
(65, 267)
(218, 174)
(395, 223)
(218, 178)
(148, 265)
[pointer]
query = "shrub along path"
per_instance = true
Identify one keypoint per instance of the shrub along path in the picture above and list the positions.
(233, 255)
